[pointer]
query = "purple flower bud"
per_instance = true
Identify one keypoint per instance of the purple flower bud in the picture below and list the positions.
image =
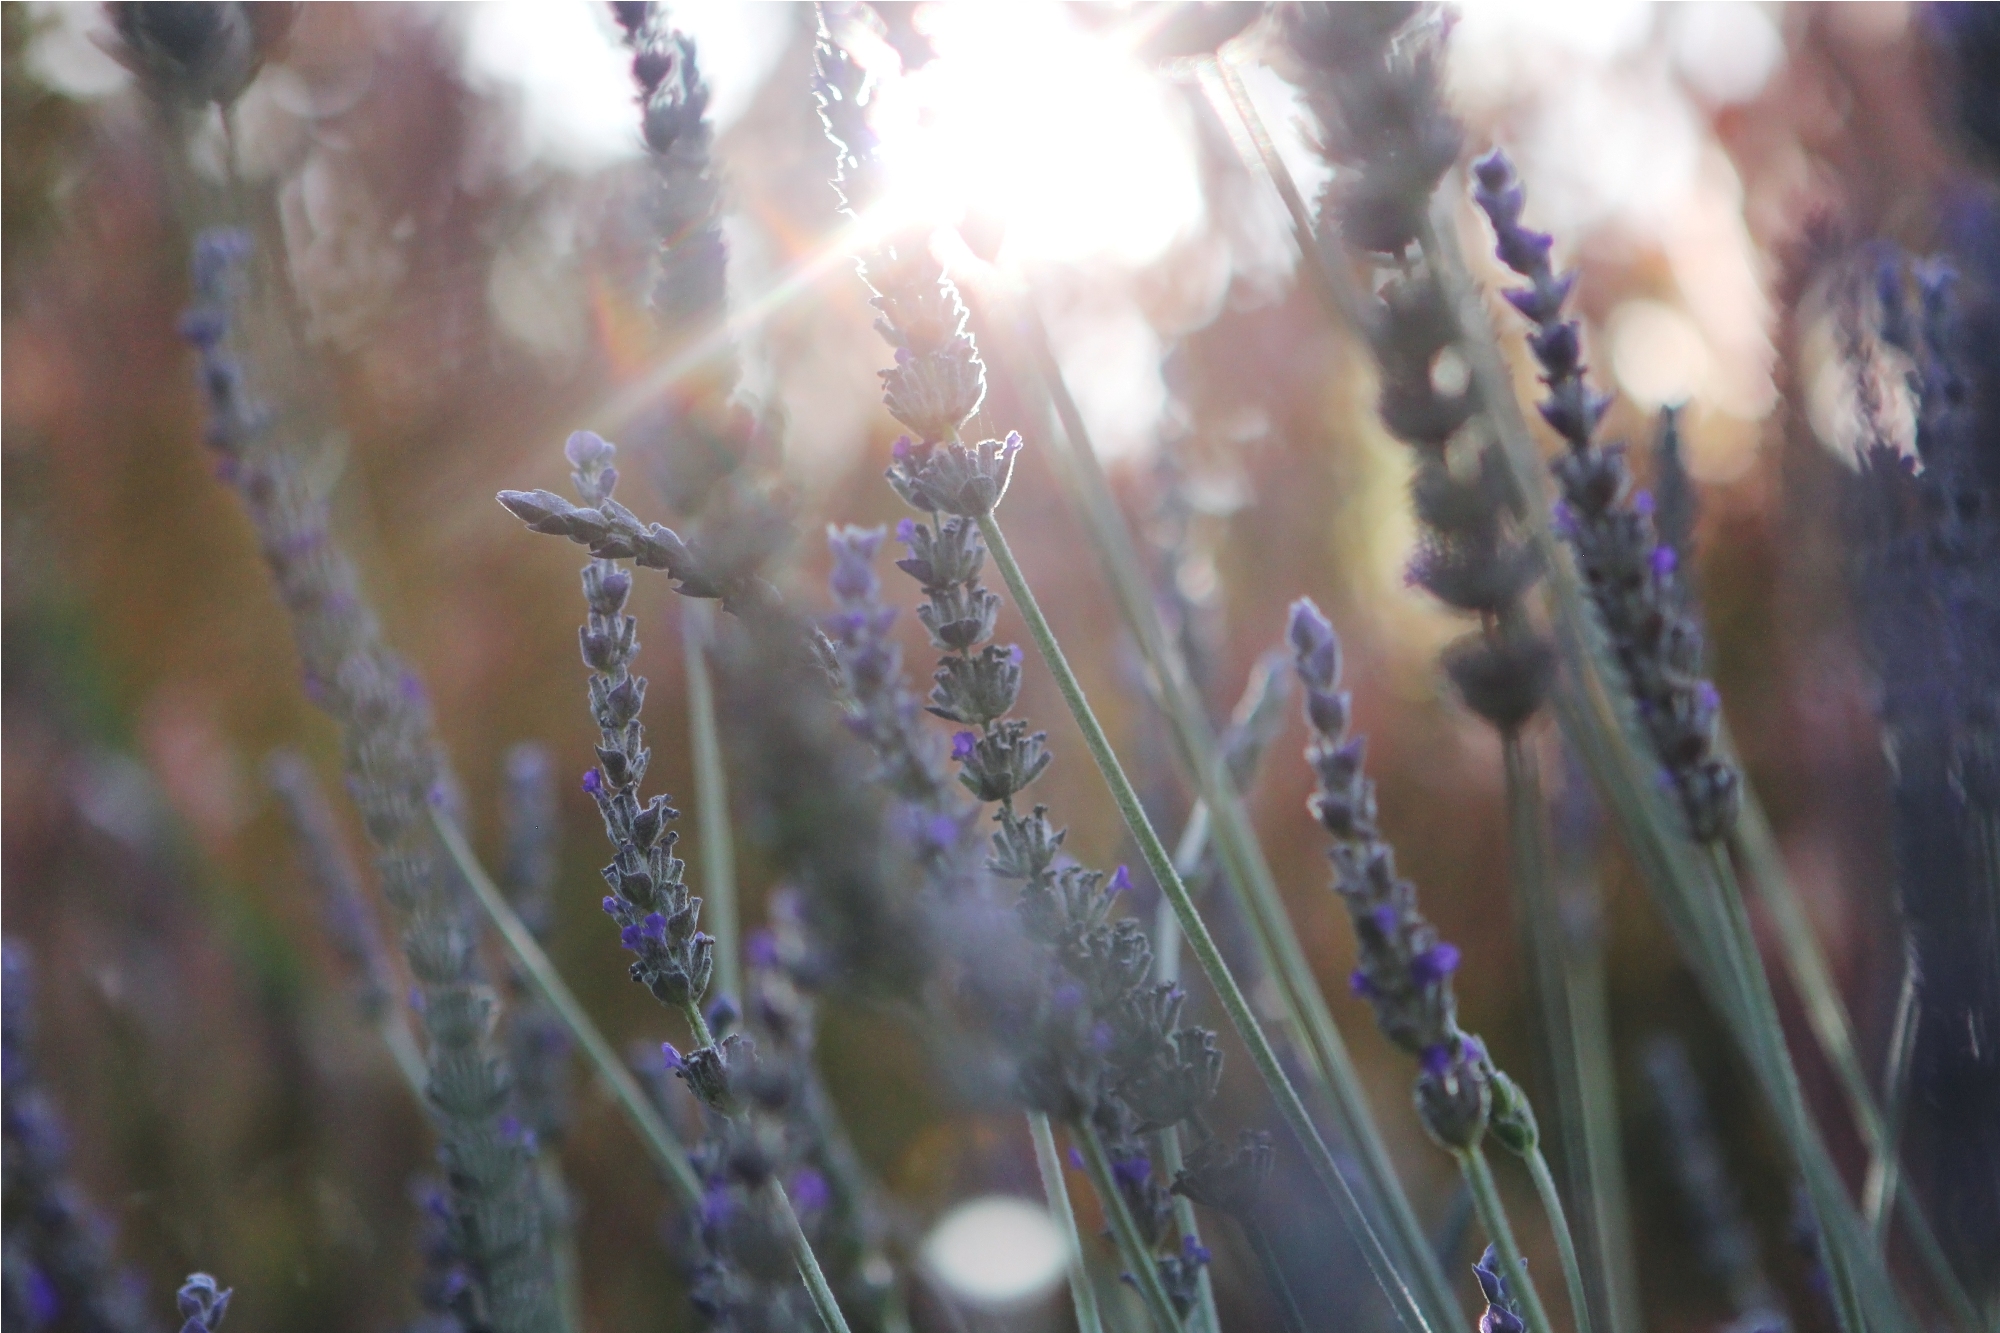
(1434, 964)
(906, 529)
(587, 451)
(655, 928)
(761, 948)
(1707, 696)
(629, 938)
(1314, 645)
(1563, 519)
(1664, 561)
(1359, 984)
(808, 1190)
(1642, 503)
(1101, 1037)
(1385, 920)
(1193, 1252)
(716, 1206)
(593, 781)
(1435, 1059)
(1132, 1171)
(610, 905)
(672, 1055)
(1066, 997)
(1075, 1158)
(902, 451)
(1121, 882)
(962, 745)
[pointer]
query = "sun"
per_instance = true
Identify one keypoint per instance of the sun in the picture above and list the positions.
(1049, 130)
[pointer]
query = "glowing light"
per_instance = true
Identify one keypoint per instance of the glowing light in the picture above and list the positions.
(1027, 119)
(997, 1251)
(1658, 353)
(1727, 50)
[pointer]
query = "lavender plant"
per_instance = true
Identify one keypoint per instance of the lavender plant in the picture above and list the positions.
(1926, 537)
(57, 1266)
(396, 776)
(1633, 577)
(203, 1301)
(1406, 968)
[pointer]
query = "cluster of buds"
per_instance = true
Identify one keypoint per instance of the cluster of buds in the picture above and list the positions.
(656, 914)
(1405, 967)
(1373, 83)
(1634, 578)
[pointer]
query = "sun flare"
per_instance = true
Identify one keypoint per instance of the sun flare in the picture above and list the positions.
(1050, 131)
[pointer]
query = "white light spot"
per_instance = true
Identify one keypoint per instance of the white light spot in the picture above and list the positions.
(997, 1251)
(1726, 49)
(574, 79)
(1657, 353)
(1052, 130)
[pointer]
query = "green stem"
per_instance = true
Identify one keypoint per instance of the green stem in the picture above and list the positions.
(1882, 1173)
(711, 799)
(1569, 990)
(1274, 1274)
(1132, 1247)
(654, 1132)
(1056, 1188)
(1552, 1205)
(1493, 1216)
(1246, 872)
(1167, 968)
(1241, 1017)
(808, 1262)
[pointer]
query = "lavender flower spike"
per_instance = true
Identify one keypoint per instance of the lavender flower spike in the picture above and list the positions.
(203, 1302)
(1406, 970)
(1637, 590)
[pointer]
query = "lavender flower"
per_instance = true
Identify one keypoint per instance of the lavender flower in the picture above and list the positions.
(349, 916)
(203, 1301)
(1502, 1315)
(56, 1260)
(1405, 972)
(1093, 1042)
(1927, 544)
(673, 116)
(1632, 579)
(1372, 81)
(649, 901)
(395, 775)
(538, 1042)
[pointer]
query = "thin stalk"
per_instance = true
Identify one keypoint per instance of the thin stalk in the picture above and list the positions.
(1882, 1166)
(1246, 872)
(1754, 844)
(802, 1251)
(1241, 1017)
(1056, 1188)
(402, 1044)
(1493, 1216)
(1274, 1274)
(654, 1131)
(1330, 281)
(1167, 968)
(1552, 1204)
(1132, 1246)
(1570, 1000)
(808, 1262)
(711, 799)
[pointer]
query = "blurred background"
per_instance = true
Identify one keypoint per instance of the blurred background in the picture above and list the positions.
(461, 188)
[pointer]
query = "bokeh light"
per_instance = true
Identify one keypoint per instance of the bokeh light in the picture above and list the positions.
(997, 1251)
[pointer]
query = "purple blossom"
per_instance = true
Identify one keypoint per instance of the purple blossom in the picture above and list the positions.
(1121, 882)
(593, 781)
(672, 1056)
(1132, 1171)
(1664, 561)
(1434, 964)
(962, 745)
(808, 1190)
